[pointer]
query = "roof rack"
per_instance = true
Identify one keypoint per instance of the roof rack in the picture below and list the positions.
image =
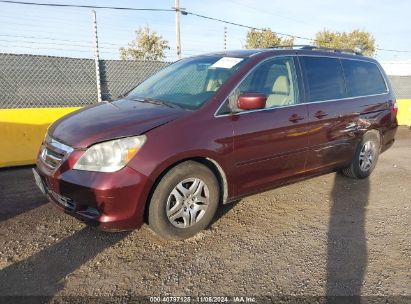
(317, 48)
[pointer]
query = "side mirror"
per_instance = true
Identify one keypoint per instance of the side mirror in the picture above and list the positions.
(251, 101)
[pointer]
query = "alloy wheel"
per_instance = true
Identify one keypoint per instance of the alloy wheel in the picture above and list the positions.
(367, 155)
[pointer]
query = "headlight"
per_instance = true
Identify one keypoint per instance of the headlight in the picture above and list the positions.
(110, 156)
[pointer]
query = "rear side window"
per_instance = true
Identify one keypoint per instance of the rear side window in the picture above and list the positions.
(363, 78)
(324, 78)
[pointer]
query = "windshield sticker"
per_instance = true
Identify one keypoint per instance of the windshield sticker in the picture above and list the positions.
(226, 62)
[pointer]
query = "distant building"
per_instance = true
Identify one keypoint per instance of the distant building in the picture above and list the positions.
(397, 68)
(399, 73)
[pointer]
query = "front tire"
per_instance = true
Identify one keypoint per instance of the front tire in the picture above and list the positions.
(184, 201)
(366, 156)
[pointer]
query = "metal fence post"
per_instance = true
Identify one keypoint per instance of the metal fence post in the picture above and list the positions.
(96, 57)
(178, 41)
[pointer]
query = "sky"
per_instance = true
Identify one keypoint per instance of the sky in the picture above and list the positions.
(68, 32)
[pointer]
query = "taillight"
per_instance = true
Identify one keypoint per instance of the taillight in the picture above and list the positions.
(394, 106)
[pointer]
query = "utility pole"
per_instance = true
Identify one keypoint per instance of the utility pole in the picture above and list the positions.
(178, 42)
(96, 57)
(225, 38)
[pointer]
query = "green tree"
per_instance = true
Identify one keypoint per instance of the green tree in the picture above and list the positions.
(356, 40)
(148, 45)
(265, 38)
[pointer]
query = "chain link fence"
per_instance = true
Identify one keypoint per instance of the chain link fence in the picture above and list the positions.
(120, 76)
(30, 81)
(402, 86)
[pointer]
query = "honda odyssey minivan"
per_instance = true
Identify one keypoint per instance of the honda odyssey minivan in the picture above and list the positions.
(211, 129)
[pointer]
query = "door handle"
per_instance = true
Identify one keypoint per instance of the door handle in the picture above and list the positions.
(320, 114)
(295, 118)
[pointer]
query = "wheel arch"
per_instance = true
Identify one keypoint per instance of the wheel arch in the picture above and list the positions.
(378, 132)
(210, 163)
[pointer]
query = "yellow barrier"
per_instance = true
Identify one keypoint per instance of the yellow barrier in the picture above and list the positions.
(22, 131)
(404, 112)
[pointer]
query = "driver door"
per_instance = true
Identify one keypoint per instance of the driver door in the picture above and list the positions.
(270, 144)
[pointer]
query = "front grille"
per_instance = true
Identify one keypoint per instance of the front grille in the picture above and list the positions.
(53, 153)
(51, 158)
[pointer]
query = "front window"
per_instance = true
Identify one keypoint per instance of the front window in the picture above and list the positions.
(188, 83)
(275, 78)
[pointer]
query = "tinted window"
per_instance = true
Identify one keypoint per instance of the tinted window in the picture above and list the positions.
(276, 78)
(363, 78)
(324, 78)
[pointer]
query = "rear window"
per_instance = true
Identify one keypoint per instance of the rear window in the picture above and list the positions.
(363, 78)
(324, 78)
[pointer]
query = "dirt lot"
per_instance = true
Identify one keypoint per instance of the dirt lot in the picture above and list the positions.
(328, 235)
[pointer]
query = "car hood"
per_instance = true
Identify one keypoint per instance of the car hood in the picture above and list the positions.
(110, 120)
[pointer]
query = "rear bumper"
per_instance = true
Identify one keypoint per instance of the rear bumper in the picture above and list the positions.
(110, 201)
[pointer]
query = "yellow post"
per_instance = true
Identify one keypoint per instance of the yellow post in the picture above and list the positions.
(404, 112)
(22, 131)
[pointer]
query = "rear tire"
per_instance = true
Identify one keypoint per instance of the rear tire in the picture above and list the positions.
(365, 157)
(184, 201)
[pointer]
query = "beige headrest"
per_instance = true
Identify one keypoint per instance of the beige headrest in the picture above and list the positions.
(281, 85)
(223, 75)
(219, 78)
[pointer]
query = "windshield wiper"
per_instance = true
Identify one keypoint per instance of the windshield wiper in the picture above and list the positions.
(158, 102)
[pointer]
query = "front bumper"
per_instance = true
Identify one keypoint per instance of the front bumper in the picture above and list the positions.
(110, 201)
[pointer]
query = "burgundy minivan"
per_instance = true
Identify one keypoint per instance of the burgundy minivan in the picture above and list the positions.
(211, 129)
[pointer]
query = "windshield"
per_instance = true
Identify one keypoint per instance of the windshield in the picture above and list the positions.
(188, 83)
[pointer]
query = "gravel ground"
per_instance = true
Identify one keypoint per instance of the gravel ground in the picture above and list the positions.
(327, 235)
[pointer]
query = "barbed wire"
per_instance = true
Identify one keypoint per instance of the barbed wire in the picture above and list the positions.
(46, 38)
(89, 6)
(184, 12)
(49, 48)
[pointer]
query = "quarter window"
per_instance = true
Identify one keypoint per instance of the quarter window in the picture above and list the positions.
(363, 78)
(324, 78)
